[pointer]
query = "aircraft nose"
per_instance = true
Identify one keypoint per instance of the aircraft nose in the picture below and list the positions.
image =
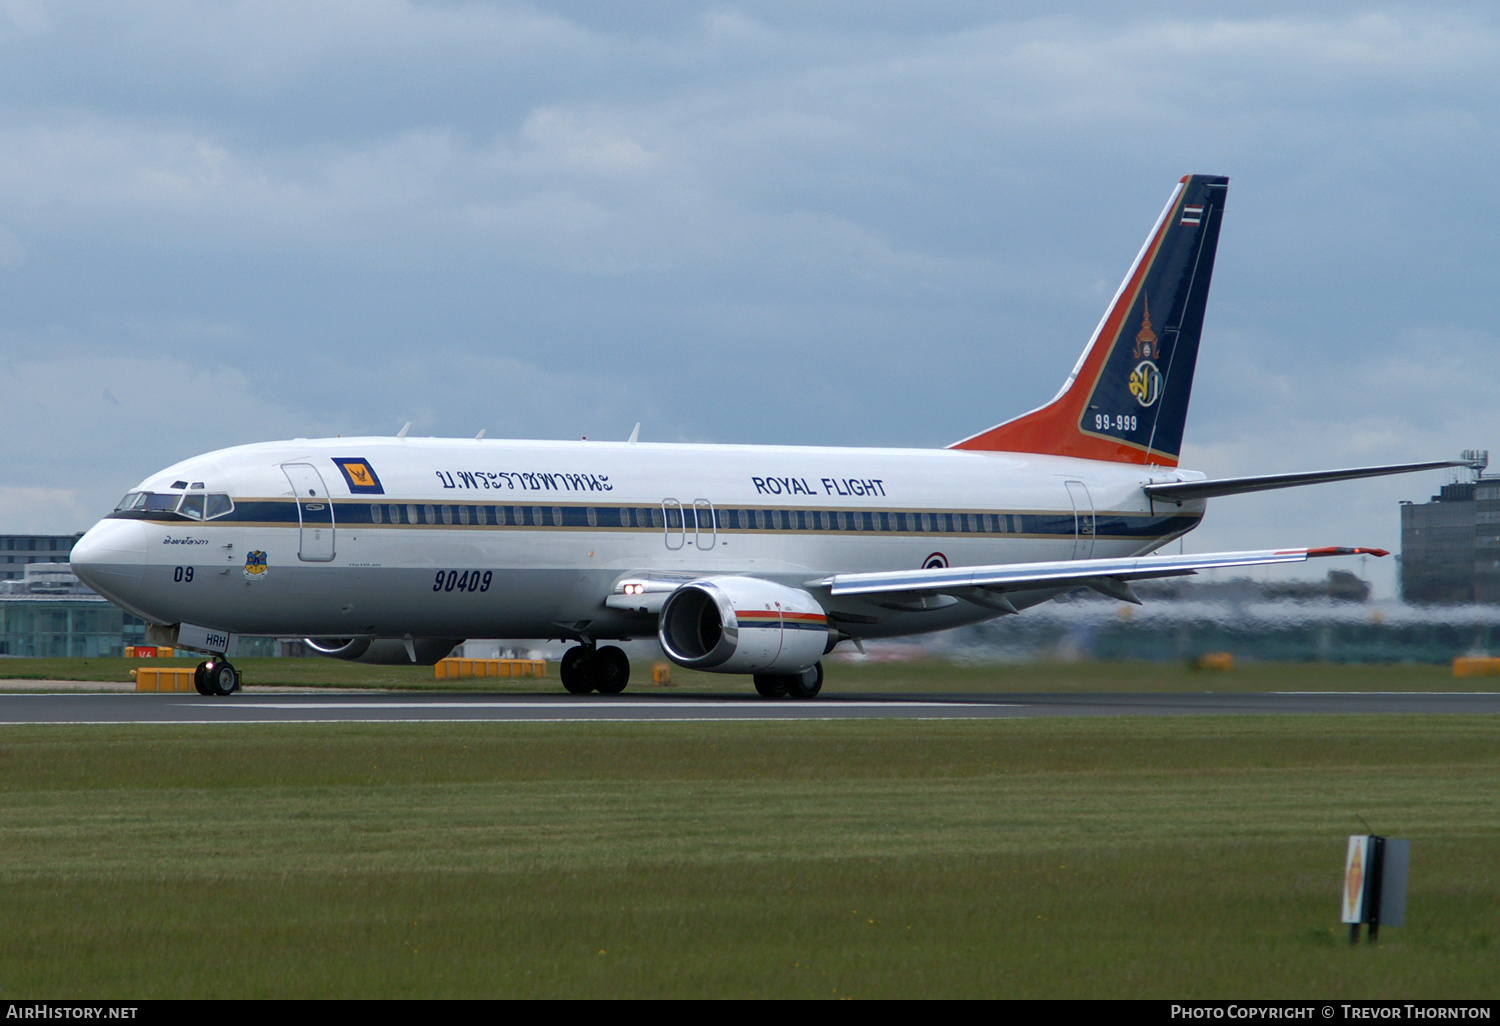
(110, 556)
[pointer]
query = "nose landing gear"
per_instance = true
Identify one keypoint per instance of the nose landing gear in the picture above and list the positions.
(216, 677)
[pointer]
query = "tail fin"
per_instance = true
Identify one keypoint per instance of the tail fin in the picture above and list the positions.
(1127, 398)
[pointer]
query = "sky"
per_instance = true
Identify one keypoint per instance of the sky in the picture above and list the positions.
(842, 223)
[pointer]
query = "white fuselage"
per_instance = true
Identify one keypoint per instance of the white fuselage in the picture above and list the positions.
(497, 538)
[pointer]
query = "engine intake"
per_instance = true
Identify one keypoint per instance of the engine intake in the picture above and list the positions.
(742, 625)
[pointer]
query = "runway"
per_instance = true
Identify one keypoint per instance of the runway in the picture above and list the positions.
(331, 707)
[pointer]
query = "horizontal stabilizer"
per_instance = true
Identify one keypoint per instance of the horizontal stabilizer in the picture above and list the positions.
(1106, 575)
(1183, 490)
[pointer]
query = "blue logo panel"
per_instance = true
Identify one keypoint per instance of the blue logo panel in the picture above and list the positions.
(359, 475)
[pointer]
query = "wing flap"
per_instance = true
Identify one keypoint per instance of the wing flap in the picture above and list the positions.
(1110, 576)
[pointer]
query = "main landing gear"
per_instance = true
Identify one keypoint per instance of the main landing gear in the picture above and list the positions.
(806, 684)
(216, 677)
(585, 668)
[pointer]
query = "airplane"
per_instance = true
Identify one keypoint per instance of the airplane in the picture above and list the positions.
(739, 559)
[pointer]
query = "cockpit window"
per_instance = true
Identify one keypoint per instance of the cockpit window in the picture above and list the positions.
(162, 502)
(193, 505)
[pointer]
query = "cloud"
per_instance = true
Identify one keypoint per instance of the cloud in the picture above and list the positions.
(44, 510)
(1426, 398)
(77, 453)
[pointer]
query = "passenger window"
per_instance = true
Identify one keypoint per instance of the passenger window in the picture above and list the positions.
(374, 512)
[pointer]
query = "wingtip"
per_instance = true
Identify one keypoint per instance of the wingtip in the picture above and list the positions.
(1341, 550)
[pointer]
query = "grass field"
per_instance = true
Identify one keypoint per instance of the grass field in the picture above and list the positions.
(1181, 857)
(868, 677)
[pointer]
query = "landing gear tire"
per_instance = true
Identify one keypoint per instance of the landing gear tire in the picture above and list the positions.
(577, 671)
(806, 684)
(200, 679)
(770, 685)
(611, 670)
(605, 670)
(220, 678)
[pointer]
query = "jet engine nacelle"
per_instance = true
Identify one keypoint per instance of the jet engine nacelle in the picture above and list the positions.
(742, 625)
(384, 650)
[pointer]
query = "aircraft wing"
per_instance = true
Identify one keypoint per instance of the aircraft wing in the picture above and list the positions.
(987, 584)
(1181, 490)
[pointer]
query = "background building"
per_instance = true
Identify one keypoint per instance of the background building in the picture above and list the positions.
(17, 551)
(1450, 546)
(49, 613)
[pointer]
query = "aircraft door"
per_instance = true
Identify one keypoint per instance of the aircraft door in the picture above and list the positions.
(314, 512)
(1083, 520)
(676, 529)
(707, 528)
